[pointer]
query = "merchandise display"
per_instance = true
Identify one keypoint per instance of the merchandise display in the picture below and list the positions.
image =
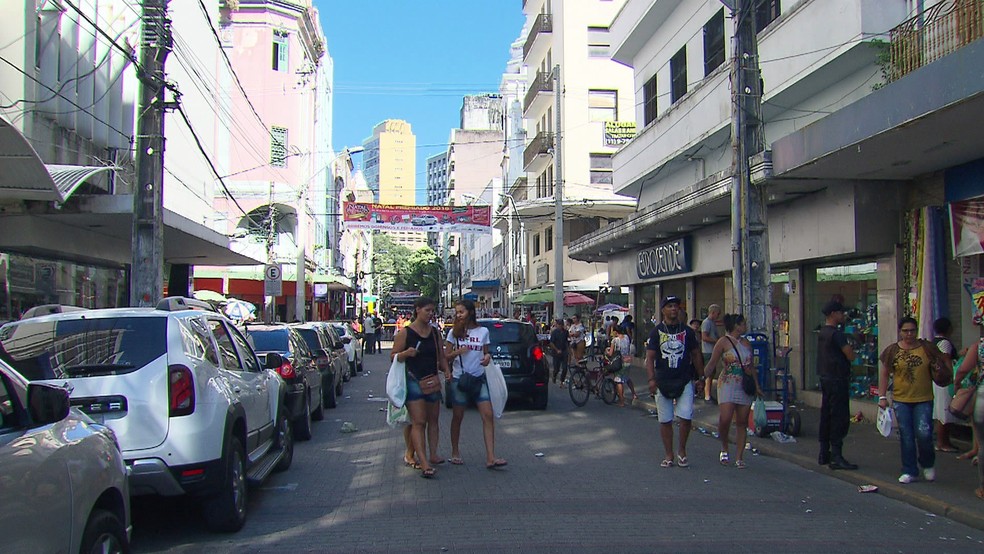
(862, 328)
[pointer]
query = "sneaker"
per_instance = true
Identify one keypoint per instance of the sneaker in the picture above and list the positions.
(905, 478)
(929, 473)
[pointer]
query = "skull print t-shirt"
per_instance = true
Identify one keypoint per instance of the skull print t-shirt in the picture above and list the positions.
(674, 345)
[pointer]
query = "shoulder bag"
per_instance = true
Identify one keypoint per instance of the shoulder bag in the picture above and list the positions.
(963, 403)
(470, 385)
(747, 381)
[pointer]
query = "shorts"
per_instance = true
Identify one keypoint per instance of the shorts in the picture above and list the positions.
(682, 407)
(459, 398)
(414, 393)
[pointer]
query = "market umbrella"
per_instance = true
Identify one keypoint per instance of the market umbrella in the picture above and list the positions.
(209, 296)
(239, 309)
(577, 299)
(539, 296)
(611, 307)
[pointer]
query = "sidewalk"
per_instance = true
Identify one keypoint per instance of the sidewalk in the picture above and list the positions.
(951, 495)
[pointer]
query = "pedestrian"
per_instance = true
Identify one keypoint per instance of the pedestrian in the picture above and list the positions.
(368, 334)
(734, 403)
(695, 325)
(578, 343)
(559, 346)
(909, 362)
(834, 357)
(972, 368)
(673, 362)
(619, 348)
(377, 324)
(609, 323)
(420, 347)
(709, 336)
(942, 418)
(468, 350)
(628, 328)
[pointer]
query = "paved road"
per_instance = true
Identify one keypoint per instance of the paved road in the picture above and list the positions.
(597, 487)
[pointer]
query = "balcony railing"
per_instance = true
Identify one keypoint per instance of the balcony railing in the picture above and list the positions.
(543, 82)
(542, 24)
(541, 145)
(940, 30)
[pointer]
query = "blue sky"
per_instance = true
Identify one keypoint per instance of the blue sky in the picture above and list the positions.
(414, 60)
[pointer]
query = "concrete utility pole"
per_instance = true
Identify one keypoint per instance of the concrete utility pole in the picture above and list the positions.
(749, 220)
(147, 247)
(300, 292)
(558, 202)
(270, 301)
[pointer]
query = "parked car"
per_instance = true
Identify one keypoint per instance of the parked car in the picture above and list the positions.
(62, 476)
(424, 220)
(353, 345)
(299, 369)
(193, 408)
(329, 354)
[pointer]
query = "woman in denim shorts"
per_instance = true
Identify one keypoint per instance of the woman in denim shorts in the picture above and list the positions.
(468, 351)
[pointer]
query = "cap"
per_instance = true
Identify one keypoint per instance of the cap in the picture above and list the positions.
(831, 307)
(669, 300)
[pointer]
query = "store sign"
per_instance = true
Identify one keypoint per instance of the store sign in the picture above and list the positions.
(618, 133)
(429, 219)
(542, 274)
(664, 259)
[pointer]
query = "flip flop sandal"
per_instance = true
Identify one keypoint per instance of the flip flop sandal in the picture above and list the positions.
(411, 464)
(682, 461)
(740, 464)
(438, 461)
(457, 462)
(666, 463)
(428, 473)
(723, 458)
(498, 462)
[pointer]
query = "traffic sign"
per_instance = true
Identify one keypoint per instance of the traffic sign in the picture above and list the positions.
(273, 280)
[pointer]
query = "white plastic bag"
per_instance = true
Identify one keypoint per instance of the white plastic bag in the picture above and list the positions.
(396, 417)
(396, 383)
(497, 388)
(884, 422)
(761, 417)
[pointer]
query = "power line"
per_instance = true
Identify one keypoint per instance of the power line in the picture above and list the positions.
(208, 159)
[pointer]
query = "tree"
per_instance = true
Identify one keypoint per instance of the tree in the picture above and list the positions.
(426, 273)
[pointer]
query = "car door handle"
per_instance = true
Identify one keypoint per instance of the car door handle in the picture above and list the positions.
(236, 389)
(259, 388)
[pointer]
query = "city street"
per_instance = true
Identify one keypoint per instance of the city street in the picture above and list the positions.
(596, 487)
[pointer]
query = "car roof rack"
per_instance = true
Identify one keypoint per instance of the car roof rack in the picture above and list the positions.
(178, 303)
(48, 309)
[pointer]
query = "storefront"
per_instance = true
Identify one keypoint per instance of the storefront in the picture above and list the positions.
(28, 281)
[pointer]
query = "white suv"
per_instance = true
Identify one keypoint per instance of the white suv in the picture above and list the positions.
(194, 410)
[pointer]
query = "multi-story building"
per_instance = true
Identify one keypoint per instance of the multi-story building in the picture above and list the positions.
(390, 163)
(595, 102)
(437, 189)
(863, 150)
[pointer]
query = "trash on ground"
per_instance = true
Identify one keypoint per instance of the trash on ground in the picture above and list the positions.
(809, 511)
(867, 488)
(349, 427)
(370, 396)
(348, 396)
(539, 454)
(781, 437)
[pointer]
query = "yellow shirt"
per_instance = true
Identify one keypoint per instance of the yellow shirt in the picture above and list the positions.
(913, 380)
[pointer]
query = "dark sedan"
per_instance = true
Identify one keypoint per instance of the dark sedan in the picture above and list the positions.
(329, 354)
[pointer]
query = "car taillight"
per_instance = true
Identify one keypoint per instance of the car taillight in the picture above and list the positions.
(537, 353)
(286, 371)
(181, 390)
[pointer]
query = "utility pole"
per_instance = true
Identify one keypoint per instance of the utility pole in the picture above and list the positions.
(271, 301)
(147, 246)
(558, 203)
(300, 293)
(749, 221)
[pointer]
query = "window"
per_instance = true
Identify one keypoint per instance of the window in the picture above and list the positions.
(599, 45)
(278, 147)
(603, 105)
(678, 75)
(227, 351)
(649, 101)
(766, 11)
(601, 169)
(536, 244)
(548, 239)
(714, 42)
(280, 51)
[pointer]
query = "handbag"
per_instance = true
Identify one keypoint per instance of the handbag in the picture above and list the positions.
(747, 381)
(963, 403)
(470, 384)
(429, 384)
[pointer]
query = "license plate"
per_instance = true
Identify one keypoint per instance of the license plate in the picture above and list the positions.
(504, 363)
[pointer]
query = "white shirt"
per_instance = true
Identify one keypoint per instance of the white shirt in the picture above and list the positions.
(470, 361)
(368, 326)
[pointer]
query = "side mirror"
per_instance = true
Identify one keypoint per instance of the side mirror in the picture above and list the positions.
(273, 361)
(47, 403)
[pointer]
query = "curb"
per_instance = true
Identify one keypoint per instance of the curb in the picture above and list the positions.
(893, 490)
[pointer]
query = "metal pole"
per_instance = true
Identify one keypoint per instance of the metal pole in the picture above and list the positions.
(300, 292)
(147, 247)
(558, 301)
(271, 301)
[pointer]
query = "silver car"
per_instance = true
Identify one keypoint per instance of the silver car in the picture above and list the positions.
(63, 480)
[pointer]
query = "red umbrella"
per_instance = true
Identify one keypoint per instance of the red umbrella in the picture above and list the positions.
(577, 299)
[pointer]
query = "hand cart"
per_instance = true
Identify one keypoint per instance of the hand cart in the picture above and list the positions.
(778, 387)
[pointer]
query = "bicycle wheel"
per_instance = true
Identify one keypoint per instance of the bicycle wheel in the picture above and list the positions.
(608, 393)
(578, 387)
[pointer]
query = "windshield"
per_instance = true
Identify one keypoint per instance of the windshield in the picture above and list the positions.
(57, 349)
(509, 333)
(269, 341)
(311, 338)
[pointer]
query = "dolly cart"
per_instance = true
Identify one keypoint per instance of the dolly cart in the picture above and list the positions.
(777, 386)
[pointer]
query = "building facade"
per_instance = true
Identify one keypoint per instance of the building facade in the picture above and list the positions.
(390, 163)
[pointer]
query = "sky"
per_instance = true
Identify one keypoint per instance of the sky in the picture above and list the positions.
(414, 60)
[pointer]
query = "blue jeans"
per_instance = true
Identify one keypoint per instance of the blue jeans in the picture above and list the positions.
(916, 435)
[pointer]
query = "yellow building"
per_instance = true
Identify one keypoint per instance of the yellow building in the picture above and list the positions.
(390, 163)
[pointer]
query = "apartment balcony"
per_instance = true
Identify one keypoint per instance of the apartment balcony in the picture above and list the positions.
(940, 30)
(540, 31)
(539, 94)
(538, 153)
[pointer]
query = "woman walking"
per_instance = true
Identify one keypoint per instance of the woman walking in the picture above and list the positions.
(468, 352)
(619, 348)
(973, 366)
(909, 362)
(419, 346)
(944, 420)
(733, 402)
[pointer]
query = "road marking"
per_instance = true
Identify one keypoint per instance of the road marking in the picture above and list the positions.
(289, 487)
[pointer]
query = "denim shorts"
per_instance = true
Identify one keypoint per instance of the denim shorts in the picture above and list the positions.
(682, 407)
(459, 398)
(413, 392)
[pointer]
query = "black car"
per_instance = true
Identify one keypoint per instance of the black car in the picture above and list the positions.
(513, 345)
(329, 355)
(299, 370)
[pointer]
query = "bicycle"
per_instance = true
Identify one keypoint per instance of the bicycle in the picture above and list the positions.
(584, 381)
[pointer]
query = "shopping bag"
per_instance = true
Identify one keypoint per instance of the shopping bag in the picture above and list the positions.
(884, 421)
(497, 388)
(396, 383)
(761, 418)
(396, 417)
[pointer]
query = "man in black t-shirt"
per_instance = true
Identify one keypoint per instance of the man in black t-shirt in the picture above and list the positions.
(673, 362)
(559, 346)
(834, 357)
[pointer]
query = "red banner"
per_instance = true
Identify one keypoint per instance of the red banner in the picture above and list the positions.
(453, 219)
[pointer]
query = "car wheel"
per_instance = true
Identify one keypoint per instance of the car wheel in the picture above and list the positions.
(226, 510)
(360, 368)
(338, 389)
(302, 423)
(329, 396)
(104, 533)
(540, 400)
(319, 413)
(285, 440)
(353, 367)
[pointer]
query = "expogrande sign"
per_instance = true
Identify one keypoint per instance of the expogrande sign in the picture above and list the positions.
(668, 258)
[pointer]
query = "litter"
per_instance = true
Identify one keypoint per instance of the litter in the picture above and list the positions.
(539, 454)
(782, 438)
(348, 427)
(867, 488)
